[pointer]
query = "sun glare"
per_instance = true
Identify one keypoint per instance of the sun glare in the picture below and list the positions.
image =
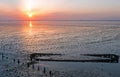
(30, 15)
(29, 8)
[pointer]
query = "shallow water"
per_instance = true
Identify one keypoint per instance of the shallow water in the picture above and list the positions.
(18, 39)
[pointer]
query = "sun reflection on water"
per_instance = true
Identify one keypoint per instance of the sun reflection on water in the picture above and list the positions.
(30, 28)
(40, 29)
(30, 24)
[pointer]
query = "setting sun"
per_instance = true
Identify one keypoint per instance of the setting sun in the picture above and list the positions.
(28, 8)
(30, 15)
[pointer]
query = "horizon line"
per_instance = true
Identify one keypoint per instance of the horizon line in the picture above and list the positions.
(59, 20)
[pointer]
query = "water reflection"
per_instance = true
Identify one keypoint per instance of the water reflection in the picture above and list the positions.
(37, 28)
(30, 28)
(35, 35)
(30, 24)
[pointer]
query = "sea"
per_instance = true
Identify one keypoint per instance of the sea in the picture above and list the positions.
(72, 39)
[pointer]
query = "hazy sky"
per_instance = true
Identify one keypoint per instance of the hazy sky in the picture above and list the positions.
(61, 9)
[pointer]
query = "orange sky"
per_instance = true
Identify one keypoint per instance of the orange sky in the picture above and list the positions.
(59, 9)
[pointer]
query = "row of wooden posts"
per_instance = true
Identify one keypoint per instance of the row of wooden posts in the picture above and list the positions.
(3, 56)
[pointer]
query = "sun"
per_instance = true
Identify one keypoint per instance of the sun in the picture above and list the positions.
(30, 15)
(29, 8)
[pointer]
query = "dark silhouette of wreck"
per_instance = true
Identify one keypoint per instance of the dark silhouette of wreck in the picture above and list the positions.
(103, 58)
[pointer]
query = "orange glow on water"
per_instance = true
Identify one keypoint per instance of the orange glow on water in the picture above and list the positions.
(32, 28)
(30, 24)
